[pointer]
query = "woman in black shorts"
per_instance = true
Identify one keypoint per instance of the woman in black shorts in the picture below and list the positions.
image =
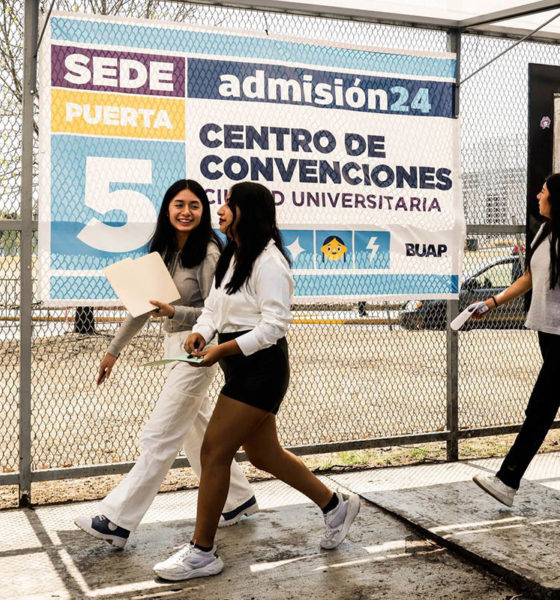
(249, 307)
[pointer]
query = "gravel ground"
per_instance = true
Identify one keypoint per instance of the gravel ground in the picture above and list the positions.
(91, 488)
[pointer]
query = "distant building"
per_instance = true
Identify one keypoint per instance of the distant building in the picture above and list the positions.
(495, 181)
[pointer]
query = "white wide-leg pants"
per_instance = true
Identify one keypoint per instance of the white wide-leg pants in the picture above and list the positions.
(179, 419)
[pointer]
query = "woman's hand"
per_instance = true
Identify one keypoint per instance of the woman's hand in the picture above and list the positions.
(481, 309)
(105, 368)
(163, 309)
(195, 342)
(211, 356)
(517, 288)
(214, 353)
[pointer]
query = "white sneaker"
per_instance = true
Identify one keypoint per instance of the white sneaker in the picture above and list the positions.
(339, 519)
(496, 488)
(188, 563)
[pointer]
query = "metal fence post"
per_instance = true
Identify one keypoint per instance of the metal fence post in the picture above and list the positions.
(454, 45)
(452, 383)
(26, 249)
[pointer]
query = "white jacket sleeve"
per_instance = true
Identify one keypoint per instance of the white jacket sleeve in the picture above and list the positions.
(273, 288)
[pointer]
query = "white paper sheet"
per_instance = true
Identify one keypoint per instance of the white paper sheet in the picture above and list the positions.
(138, 281)
(463, 317)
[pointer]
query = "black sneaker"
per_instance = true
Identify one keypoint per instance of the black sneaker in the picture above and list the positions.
(234, 516)
(101, 528)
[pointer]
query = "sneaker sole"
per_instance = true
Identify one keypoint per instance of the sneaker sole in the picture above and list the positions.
(245, 513)
(115, 541)
(352, 513)
(491, 492)
(213, 569)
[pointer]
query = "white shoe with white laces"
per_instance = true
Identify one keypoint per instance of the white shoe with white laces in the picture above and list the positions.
(496, 488)
(339, 519)
(188, 563)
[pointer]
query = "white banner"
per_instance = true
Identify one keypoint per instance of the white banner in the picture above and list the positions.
(358, 145)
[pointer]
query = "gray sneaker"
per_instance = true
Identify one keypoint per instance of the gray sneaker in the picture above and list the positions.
(188, 563)
(496, 488)
(339, 519)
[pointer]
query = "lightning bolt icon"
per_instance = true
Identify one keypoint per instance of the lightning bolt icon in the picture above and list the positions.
(371, 245)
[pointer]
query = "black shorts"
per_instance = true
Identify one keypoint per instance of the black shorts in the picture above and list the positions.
(261, 379)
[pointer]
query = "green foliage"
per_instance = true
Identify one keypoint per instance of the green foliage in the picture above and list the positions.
(9, 243)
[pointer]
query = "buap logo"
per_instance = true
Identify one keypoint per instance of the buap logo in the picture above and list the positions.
(426, 250)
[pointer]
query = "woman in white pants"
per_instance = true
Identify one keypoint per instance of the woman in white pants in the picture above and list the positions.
(190, 249)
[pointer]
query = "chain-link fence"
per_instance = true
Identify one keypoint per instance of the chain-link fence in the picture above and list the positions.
(362, 375)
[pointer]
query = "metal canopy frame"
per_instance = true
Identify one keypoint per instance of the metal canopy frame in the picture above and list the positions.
(481, 24)
(511, 13)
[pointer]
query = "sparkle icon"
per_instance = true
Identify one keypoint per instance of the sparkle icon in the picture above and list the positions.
(295, 248)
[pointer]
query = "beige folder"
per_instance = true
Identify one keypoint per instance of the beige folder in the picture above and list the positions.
(138, 281)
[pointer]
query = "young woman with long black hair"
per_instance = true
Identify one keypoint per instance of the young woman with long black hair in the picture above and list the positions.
(190, 249)
(542, 276)
(249, 307)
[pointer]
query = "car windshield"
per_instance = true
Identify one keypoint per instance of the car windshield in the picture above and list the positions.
(498, 276)
(505, 267)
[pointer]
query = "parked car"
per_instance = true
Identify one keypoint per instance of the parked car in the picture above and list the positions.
(489, 280)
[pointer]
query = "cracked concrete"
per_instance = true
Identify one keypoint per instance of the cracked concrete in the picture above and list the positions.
(275, 554)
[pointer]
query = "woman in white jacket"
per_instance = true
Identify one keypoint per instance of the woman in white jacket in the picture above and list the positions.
(249, 307)
(190, 249)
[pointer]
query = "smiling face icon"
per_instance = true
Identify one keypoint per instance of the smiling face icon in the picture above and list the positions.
(333, 248)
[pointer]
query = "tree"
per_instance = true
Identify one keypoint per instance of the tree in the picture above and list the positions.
(11, 89)
(11, 71)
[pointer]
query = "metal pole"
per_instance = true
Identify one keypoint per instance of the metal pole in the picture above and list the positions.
(509, 49)
(454, 45)
(26, 249)
(46, 22)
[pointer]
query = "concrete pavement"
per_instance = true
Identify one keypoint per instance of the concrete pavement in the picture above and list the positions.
(424, 532)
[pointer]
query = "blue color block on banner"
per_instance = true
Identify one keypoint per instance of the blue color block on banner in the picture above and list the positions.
(74, 287)
(372, 249)
(69, 212)
(375, 284)
(415, 97)
(300, 247)
(182, 40)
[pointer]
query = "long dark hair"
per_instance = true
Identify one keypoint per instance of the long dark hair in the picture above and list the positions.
(254, 213)
(552, 228)
(164, 239)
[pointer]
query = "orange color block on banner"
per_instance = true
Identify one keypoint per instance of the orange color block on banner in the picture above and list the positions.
(117, 115)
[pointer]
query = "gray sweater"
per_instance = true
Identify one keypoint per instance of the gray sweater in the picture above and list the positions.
(194, 286)
(544, 312)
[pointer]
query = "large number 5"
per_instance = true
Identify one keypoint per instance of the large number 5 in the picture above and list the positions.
(140, 212)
